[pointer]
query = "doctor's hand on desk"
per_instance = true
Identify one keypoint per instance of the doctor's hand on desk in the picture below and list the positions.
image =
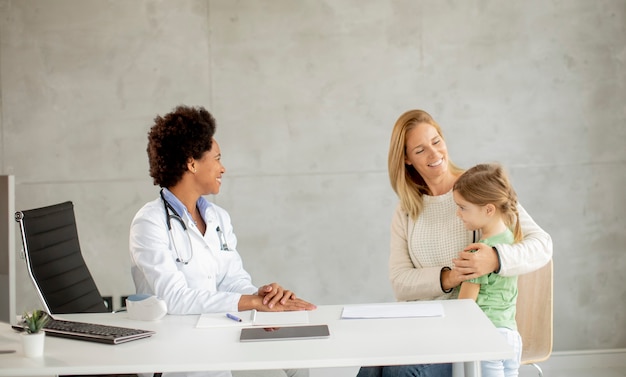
(273, 297)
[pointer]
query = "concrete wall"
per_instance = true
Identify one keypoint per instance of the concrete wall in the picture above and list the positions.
(305, 94)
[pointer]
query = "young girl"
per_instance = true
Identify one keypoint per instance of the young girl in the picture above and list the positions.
(486, 202)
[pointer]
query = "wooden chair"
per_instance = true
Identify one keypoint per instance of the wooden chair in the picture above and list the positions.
(534, 315)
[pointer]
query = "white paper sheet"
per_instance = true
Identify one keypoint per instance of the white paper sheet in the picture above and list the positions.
(279, 318)
(253, 318)
(221, 320)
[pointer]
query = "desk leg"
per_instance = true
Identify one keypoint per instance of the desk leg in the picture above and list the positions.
(458, 370)
(467, 369)
(472, 369)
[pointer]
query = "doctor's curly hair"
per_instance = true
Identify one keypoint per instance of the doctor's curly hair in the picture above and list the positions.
(186, 132)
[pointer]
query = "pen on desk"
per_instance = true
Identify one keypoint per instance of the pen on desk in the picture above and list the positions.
(233, 317)
(6, 351)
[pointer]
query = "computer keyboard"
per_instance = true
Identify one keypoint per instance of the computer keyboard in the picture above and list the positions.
(93, 332)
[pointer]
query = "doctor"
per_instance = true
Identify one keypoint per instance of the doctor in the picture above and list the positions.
(182, 246)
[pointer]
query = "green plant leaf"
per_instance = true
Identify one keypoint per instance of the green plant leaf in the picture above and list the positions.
(34, 321)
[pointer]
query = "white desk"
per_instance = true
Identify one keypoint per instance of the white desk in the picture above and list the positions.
(463, 336)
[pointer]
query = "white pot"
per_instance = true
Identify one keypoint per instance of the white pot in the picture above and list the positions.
(32, 344)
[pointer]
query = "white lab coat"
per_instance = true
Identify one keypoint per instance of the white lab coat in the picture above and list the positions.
(213, 280)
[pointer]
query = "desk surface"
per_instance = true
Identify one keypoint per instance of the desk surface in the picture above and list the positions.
(464, 334)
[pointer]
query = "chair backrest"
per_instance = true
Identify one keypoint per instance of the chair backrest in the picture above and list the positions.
(534, 314)
(54, 260)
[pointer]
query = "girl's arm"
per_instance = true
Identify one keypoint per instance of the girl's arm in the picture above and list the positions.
(469, 290)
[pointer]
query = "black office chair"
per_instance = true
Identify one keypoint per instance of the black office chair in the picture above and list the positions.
(55, 263)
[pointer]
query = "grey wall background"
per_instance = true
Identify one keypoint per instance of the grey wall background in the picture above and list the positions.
(305, 94)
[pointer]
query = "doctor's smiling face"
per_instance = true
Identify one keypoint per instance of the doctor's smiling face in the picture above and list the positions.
(208, 170)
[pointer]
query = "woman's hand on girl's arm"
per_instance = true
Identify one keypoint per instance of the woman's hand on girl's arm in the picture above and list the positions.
(472, 264)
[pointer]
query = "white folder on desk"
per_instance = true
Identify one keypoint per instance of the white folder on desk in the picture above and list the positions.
(393, 310)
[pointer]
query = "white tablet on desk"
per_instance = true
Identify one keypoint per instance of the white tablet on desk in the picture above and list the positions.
(253, 334)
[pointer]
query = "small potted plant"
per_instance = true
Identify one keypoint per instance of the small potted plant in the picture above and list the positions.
(33, 335)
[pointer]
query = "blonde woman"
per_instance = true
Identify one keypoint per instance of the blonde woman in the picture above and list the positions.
(430, 251)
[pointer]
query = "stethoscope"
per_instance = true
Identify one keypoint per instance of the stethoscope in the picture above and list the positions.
(174, 215)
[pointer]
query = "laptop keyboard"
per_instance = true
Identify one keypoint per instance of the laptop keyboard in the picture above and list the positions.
(94, 332)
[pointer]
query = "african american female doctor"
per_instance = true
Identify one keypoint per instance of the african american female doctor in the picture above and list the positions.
(182, 246)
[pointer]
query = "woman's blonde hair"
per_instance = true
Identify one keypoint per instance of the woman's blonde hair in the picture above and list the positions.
(489, 184)
(407, 183)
